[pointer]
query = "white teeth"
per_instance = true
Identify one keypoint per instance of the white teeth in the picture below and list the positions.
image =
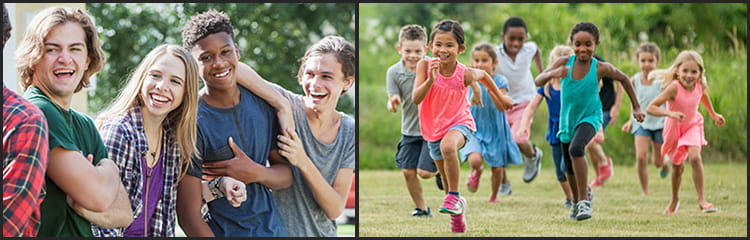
(316, 94)
(159, 98)
(63, 72)
(221, 74)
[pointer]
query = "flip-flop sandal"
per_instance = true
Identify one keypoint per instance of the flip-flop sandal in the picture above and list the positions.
(708, 208)
(668, 212)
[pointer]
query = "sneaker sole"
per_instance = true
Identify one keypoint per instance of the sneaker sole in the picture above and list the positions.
(581, 217)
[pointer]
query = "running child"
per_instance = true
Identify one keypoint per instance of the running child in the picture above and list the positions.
(493, 141)
(646, 85)
(412, 156)
(440, 91)
(514, 62)
(684, 86)
(580, 107)
(551, 93)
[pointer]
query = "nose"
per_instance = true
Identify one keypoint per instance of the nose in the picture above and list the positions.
(64, 57)
(218, 62)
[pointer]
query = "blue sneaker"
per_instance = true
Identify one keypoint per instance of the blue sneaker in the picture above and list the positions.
(584, 210)
(664, 171)
(418, 212)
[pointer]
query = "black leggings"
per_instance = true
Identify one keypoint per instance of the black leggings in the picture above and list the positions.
(577, 146)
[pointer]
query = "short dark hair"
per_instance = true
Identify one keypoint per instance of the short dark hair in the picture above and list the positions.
(450, 26)
(514, 22)
(6, 25)
(486, 47)
(204, 24)
(585, 27)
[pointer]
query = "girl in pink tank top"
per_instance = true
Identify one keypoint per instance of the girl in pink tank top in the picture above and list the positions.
(684, 87)
(440, 91)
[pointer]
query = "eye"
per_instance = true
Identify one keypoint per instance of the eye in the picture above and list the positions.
(155, 75)
(225, 52)
(176, 81)
(51, 50)
(205, 58)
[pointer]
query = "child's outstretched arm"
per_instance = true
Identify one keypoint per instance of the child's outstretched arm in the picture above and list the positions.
(538, 60)
(476, 94)
(612, 72)
(668, 94)
(556, 70)
(422, 82)
(706, 101)
(528, 114)
(501, 101)
(248, 78)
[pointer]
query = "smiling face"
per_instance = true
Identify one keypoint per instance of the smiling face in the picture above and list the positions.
(584, 45)
(483, 60)
(688, 73)
(323, 82)
(217, 57)
(164, 86)
(513, 39)
(64, 62)
(647, 62)
(445, 47)
(412, 51)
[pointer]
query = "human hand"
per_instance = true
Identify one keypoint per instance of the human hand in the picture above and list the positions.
(626, 127)
(434, 68)
(393, 103)
(234, 190)
(718, 119)
(240, 167)
(476, 99)
(638, 114)
(676, 115)
(613, 117)
(290, 147)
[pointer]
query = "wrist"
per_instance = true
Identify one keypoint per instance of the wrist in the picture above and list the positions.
(214, 185)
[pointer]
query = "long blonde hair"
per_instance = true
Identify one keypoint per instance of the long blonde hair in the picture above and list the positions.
(556, 53)
(31, 49)
(685, 56)
(183, 119)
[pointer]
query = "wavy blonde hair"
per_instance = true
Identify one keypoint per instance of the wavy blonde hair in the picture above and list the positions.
(31, 49)
(183, 119)
(556, 53)
(685, 56)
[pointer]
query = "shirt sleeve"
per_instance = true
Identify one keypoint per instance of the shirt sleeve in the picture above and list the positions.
(23, 176)
(194, 167)
(350, 149)
(390, 82)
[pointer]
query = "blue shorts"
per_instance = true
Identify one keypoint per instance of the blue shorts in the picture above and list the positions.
(606, 118)
(413, 153)
(435, 146)
(655, 135)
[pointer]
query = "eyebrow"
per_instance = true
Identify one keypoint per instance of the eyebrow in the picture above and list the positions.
(58, 45)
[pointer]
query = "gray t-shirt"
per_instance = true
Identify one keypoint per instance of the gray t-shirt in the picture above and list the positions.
(400, 81)
(301, 213)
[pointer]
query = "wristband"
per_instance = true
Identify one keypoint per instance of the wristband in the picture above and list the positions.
(214, 185)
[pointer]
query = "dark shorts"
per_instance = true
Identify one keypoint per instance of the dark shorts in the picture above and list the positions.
(606, 118)
(655, 135)
(413, 153)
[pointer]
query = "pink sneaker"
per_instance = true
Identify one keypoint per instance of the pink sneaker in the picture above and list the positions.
(494, 200)
(453, 204)
(472, 183)
(458, 221)
(595, 183)
(606, 172)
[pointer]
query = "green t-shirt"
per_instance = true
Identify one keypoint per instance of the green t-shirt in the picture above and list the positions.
(74, 131)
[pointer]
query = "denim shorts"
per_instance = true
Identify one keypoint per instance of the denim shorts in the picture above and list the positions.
(655, 135)
(606, 118)
(435, 146)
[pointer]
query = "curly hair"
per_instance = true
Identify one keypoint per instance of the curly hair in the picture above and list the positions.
(585, 27)
(514, 22)
(204, 24)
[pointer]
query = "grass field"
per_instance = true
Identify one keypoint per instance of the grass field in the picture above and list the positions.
(536, 208)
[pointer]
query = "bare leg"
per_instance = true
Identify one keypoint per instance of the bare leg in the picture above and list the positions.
(477, 167)
(497, 175)
(441, 169)
(505, 177)
(641, 161)
(566, 189)
(526, 149)
(694, 154)
(449, 146)
(676, 180)
(414, 187)
(425, 174)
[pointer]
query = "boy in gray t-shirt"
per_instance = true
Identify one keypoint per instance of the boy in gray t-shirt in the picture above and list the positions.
(412, 156)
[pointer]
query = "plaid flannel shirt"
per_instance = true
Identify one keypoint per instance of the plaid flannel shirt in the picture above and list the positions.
(126, 144)
(25, 149)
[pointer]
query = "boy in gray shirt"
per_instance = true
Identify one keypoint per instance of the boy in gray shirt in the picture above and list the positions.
(412, 156)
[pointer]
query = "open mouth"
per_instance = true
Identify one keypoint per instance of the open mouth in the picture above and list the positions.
(160, 99)
(63, 73)
(221, 75)
(318, 95)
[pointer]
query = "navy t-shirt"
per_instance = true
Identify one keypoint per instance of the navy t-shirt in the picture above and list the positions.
(253, 126)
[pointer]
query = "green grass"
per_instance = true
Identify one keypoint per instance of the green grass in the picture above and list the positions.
(536, 209)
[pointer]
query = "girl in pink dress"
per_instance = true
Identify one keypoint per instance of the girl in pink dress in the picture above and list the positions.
(440, 91)
(684, 86)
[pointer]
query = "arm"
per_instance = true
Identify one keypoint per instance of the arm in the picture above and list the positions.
(331, 198)
(538, 60)
(248, 78)
(556, 70)
(501, 101)
(119, 214)
(476, 96)
(244, 169)
(528, 113)
(422, 83)
(233, 189)
(393, 102)
(615, 110)
(394, 93)
(26, 165)
(668, 94)
(617, 75)
(189, 208)
(92, 187)
(706, 101)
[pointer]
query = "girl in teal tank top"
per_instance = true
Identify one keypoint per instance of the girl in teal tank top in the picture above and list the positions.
(581, 108)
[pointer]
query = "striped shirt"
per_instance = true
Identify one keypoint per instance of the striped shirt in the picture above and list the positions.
(126, 144)
(25, 149)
